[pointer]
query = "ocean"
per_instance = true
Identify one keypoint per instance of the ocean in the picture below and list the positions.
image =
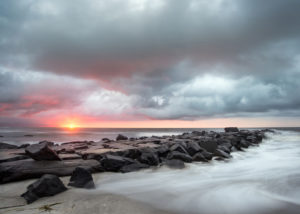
(264, 179)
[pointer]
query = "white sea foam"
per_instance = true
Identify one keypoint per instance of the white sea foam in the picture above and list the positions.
(262, 179)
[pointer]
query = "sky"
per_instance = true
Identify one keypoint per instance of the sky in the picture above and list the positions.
(150, 63)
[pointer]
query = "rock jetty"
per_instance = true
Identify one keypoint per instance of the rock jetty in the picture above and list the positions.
(121, 155)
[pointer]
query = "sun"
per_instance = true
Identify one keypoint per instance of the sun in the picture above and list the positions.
(71, 126)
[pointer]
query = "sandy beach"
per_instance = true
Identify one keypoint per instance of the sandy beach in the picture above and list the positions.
(74, 200)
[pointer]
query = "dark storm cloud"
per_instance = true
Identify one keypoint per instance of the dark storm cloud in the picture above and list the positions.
(171, 59)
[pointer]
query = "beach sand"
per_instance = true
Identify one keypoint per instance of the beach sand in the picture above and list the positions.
(74, 200)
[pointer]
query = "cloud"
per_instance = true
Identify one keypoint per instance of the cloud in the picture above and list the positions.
(161, 59)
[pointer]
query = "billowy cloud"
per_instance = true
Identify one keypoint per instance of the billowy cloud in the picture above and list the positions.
(159, 59)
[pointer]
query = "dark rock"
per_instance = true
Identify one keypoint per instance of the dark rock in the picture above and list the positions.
(81, 147)
(224, 148)
(133, 167)
(41, 152)
(175, 164)
(105, 139)
(199, 157)
(121, 137)
(162, 151)
(231, 129)
(132, 139)
(1, 136)
(198, 133)
(115, 163)
(208, 145)
(149, 158)
(178, 148)
(26, 169)
(24, 146)
(81, 178)
(244, 143)
(7, 146)
(131, 153)
(12, 157)
(48, 143)
(47, 185)
(179, 156)
(28, 135)
(222, 154)
(207, 155)
(193, 148)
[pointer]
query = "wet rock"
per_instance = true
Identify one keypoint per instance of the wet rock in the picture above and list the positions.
(24, 146)
(48, 143)
(208, 145)
(224, 148)
(28, 135)
(222, 154)
(132, 153)
(133, 167)
(178, 148)
(81, 178)
(149, 158)
(47, 185)
(115, 163)
(41, 152)
(199, 157)
(175, 164)
(26, 169)
(207, 155)
(162, 151)
(244, 144)
(7, 146)
(121, 137)
(179, 156)
(193, 148)
(231, 129)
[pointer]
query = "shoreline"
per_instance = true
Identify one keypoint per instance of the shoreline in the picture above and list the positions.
(76, 201)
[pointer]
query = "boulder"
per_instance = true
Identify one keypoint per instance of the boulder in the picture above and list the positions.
(179, 156)
(133, 167)
(41, 152)
(24, 145)
(26, 169)
(115, 163)
(207, 155)
(231, 129)
(208, 145)
(162, 151)
(193, 148)
(81, 178)
(199, 157)
(175, 164)
(178, 148)
(121, 137)
(222, 154)
(149, 158)
(47, 185)
(7, 146)
(49, 143)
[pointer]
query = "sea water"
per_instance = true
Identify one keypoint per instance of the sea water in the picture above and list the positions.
(264, 179)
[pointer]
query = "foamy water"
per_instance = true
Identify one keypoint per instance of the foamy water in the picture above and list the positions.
(264, 179)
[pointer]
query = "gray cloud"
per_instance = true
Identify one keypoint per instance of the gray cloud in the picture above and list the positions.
(168, 59)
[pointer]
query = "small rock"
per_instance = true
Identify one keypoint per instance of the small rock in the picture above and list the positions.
(208, 145)
(179, 156)
(199, 157)
(47, 185)
(49, 143)
(222, 154)
(115, 163)
(81, 178)
(121, 137)
(133, 167)
(231, 129)
(149, 158)
(28, 135)
(41, 152)
(24, 146)
(7, 146)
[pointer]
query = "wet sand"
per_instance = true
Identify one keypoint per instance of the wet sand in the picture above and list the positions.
(75, 201)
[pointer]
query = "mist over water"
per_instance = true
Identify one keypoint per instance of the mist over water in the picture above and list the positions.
(264, 179)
